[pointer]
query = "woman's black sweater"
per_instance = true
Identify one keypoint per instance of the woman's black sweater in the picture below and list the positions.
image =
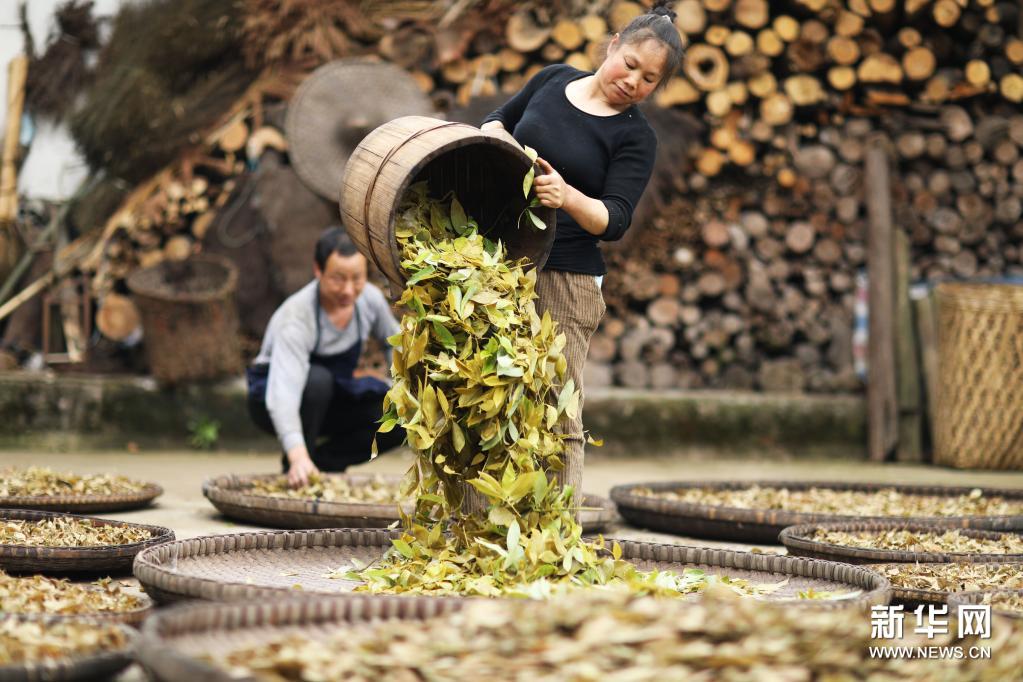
(605, 157)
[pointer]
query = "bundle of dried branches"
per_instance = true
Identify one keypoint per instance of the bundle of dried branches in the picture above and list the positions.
(57, 77)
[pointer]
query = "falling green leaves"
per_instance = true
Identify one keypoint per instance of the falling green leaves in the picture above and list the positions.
(527, 185)
(527, 181)
(480, 386)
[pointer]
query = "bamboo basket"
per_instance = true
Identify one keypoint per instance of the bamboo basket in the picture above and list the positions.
(110, 559)
(98, 665)
(230, 494)
(268, 565)
(189, 318)
(172, 643)
(763, 525)
(798, 540)
(134, 617)
(913, 597)
(84, 503)
(979, 420)
(958, 599)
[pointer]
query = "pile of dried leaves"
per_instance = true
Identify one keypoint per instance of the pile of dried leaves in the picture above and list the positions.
(39, 594)
(1008, 601)
(614, 636)
(954, 577)
(479, 387)
(375, 490)
(42, 481)
(26, 641)
(952, 541)
(65, 531)
(884, 502)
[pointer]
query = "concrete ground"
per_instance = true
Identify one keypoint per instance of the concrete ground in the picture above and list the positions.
(183, 508)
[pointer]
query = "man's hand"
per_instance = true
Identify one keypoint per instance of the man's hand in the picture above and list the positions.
(301, 467)
(551, 189)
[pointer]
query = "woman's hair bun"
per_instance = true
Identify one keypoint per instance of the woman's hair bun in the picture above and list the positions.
(661, 8)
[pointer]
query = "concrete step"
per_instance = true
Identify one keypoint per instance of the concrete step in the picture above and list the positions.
(63, 412)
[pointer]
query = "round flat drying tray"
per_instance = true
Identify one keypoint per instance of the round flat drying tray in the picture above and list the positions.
(798, 540)
(335, 107)
(960, 598)
(113, 559)
(101, 665)
(172, 642)
(84, 503)
(134, 617)
(271, 564)
(764, 525)
(232, 496)
(914, 596)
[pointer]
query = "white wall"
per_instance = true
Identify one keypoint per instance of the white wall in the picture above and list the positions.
(53, 169)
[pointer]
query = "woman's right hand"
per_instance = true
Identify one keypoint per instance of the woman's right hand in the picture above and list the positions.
(301, 467)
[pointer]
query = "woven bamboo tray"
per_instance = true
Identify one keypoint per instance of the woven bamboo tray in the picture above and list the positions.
(173, 639)
(764, 525)
(797, 541)
(957, 599)
(112, 559)
(80, 504)
(915, 597)
(134, 618)
(228, 494)
(97, 666)
(270, 564)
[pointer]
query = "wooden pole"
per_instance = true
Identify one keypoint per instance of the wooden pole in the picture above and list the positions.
(44, 237)
(68, 257)
(882, 403)
(927, 329)
(910, 443)
(26, 294)
(10, 241)
(17, 71)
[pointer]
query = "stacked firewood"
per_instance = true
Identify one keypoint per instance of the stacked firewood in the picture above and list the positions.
(754, 68)
(746, 275)
(752, 284)
(168, 217)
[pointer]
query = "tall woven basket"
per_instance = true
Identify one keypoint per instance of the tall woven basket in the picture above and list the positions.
(979, 420)
(189, 318)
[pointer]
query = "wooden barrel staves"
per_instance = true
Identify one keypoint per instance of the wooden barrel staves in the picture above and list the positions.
(189, 318)
(484, 172)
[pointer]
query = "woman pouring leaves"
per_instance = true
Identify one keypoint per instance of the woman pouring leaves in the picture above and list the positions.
(596, 152)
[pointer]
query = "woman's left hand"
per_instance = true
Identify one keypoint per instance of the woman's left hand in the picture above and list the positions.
(551, 189)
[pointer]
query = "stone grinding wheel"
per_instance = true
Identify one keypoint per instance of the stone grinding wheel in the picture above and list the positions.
(337, 106)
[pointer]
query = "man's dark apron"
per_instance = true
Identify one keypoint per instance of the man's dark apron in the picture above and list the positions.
(348, 389)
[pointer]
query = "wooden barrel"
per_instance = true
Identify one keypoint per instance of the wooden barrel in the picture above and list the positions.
(483, 171)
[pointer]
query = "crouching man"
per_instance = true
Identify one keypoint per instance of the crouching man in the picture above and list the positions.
(303, 385)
